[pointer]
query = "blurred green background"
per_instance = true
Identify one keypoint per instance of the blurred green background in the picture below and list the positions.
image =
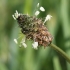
(14, 58)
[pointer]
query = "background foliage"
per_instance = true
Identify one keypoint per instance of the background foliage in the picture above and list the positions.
(14, 58)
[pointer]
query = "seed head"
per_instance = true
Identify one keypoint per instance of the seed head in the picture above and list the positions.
(34, 29)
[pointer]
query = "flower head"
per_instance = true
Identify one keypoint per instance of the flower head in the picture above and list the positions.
(34, 29)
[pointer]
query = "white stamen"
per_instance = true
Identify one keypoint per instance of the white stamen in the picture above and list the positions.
(16, 12)
(15, 40)
(48, 17)
(42, 9)
(38, 5)
(14, 17)
(24, 44)
(37, 13)
(35, 45)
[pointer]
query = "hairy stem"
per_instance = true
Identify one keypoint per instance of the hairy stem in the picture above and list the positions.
(60, 51)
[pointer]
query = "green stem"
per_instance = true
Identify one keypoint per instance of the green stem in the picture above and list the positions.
(60, 51)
